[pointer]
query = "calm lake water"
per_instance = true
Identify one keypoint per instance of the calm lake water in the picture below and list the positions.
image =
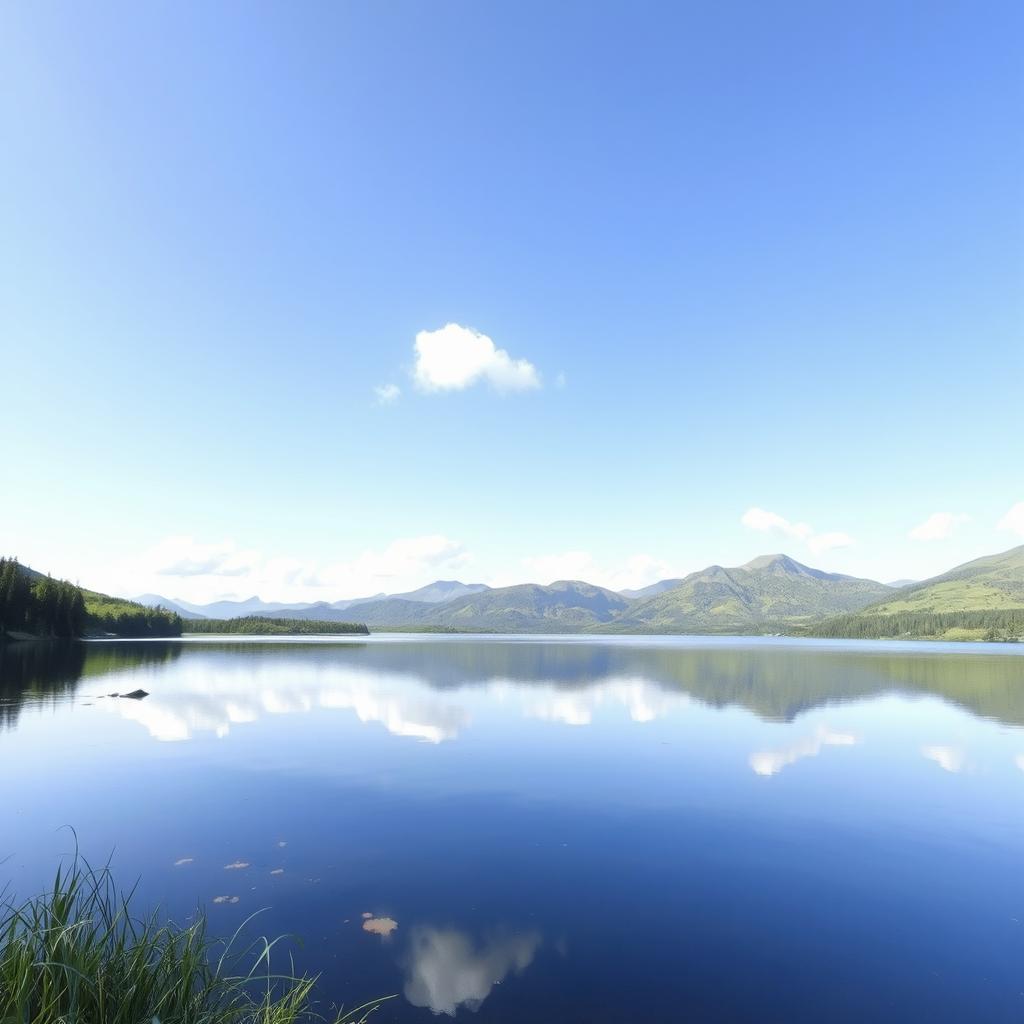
(563, 830)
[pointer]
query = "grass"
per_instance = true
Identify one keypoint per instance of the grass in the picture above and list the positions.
(76, 955)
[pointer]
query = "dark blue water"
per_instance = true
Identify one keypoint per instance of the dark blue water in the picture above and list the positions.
(560, 830)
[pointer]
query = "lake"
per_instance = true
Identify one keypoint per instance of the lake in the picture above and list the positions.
(553, 829)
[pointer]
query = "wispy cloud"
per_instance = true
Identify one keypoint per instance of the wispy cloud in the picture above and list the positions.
(184, 556)
(938, 526)
(763, 521)
(1013, 521)
(403, 564)
(454, 357)
(387, 393)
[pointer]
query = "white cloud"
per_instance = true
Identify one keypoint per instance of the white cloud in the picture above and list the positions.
(447, 970)
(455, 357)
(201, 568)
(771, 762)
(184, 556)
(950, 759)
(1014, 520)
(387, 393)
(938, 526)
(771, 522)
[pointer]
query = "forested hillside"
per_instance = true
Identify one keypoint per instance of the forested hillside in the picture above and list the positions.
(765, 592)
(979, 600)
(260, 625)
(32, 604)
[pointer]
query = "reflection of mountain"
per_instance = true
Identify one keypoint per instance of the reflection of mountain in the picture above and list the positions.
(37, 672)
(446, 969)
(218, 683)
(775, 681)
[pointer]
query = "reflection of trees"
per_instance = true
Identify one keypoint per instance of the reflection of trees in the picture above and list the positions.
(776, 683)
(40, 672)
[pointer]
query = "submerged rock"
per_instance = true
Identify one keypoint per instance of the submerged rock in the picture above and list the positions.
(382, 926)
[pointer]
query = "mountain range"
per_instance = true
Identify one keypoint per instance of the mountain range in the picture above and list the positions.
(432, 593)
(769, 589)
(772, 593)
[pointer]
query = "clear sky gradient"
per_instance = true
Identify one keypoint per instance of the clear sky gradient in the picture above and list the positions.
(728, 256)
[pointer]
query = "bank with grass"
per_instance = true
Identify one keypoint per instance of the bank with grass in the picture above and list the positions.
(78, 954)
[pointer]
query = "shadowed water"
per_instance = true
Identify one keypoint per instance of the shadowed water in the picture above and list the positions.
(554, 829)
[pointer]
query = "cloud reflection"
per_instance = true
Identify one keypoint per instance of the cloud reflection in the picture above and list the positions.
(771, 762)
(446, 969)
(645, 701)
(206, 702)
(950, 759)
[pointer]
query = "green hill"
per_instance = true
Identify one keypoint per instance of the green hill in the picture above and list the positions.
(34, 605)
(565, 606)
(767, 591)
(977, 600)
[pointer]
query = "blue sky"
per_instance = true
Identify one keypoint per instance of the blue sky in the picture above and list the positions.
(699, 260)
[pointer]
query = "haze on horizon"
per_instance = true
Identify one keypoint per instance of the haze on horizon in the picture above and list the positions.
(507, 293)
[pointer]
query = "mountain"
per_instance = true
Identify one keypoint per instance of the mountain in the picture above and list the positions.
(651, 590)
(156, 601)
(767, 590)
(567, 605)
(350, 603)
(321, 611)
(433, 593)
(896, 584)
(989, 583)
(979, 600)
(235, 609)
(443, 590)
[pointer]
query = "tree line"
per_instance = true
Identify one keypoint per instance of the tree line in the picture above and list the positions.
(989, 624)
(258, 625)
(42, 606)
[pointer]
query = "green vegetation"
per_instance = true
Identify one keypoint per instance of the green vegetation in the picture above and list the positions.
(257, 625)
(751, 598)
(32, 604)
(1002, 624)
(38, 605)
(567, 606)
(986, 584)
(771, 594)
(128, 619)
(77, 956)
(980, 600)
(990, 625)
